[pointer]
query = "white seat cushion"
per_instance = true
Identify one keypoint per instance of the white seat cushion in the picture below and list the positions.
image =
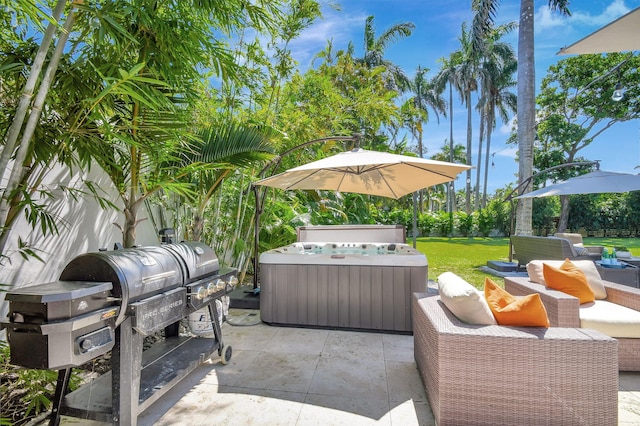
(610, 319)
(464, 301)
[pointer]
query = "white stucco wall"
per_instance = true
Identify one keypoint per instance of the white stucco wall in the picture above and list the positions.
(83, 226)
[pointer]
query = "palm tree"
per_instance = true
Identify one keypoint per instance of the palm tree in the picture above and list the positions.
(424, 97)
(457, 155)
(224, 148)
(527, 104)
(448, 75)
(466, 72)
(500, 98)
(495, 72)
(374, 50)
(526, 90)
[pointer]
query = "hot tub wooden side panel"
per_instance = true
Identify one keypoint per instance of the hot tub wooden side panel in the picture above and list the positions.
(340, 296)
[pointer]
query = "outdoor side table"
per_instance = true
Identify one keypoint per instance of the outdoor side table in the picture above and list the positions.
(628, 275)
(633, 260)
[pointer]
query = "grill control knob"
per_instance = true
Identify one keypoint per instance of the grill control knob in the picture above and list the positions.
(86, 344)
(212, 287)
(219, 284)
(202, 293)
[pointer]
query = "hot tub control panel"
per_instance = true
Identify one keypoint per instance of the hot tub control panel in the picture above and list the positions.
(366, 249)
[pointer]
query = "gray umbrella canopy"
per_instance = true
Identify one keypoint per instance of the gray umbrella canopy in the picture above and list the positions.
(598, 181)
(621, 35)
(367, 172)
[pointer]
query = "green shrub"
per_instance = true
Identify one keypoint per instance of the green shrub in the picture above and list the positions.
(25, 393)
(464, 223)
(486, 223)
(444, 224)
(426, 223)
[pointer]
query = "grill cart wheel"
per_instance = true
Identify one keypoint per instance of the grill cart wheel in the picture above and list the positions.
(225, 354)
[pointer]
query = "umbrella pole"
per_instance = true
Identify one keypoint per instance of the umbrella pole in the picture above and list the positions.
(256, 235)
(415, 218)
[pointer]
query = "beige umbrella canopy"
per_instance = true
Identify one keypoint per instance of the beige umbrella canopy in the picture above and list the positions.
(621, 35)
(367, 172)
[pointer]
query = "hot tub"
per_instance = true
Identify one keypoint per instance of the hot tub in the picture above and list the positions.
(363, 284)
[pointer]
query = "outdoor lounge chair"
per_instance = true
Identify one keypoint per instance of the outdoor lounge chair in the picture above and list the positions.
(491, 374)
(563, 311)
(576, 240)
(527, 248)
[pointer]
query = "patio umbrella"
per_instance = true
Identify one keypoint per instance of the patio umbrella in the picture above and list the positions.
(367, 172)
(598, 181)
(621, 35)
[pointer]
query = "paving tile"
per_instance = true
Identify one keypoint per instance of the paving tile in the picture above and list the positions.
(298, 341)
(398, 347)
(296, 376)
(629, 380)
(229, 374)
(340, 410)
(404, 383)
(344, 376)
(412, 413)
(628, 409)
(234, 406)
(289, 372)
(255, 337)
(354, 345)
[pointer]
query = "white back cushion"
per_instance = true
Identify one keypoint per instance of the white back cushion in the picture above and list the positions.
(464, 300)
(534, 269)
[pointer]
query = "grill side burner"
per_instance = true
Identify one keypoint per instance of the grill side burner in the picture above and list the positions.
(111, 300)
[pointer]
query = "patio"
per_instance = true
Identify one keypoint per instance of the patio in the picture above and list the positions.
(295, 376)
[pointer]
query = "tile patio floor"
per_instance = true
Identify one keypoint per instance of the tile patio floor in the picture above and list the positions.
(298, 376)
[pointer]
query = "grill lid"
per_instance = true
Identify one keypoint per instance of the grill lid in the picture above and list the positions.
(197, 259)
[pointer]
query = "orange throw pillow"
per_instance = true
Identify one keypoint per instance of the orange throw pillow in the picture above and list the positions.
(527, 311)
(568, 279)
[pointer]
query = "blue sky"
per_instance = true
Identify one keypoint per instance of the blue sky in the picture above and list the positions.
(438, 24)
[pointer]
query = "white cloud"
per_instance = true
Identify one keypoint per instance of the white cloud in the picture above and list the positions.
(340, 28)
(546, 19)
(507, 128)
(508, 152)
(611, 13)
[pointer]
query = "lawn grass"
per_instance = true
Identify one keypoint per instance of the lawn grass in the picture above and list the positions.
(464, 256)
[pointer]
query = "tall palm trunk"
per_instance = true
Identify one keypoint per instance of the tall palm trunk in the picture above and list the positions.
(490, 119)
(479, 169)
(467, 97)
(452, 186)
(526, 112)
(421, 192)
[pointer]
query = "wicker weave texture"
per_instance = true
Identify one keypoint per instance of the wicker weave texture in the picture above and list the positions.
(528, 248)
(494, 375)
(564, 311)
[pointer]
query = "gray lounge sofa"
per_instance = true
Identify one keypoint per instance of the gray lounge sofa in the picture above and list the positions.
(527, 248)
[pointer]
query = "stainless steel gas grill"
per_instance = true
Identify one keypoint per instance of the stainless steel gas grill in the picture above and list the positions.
(112, 300)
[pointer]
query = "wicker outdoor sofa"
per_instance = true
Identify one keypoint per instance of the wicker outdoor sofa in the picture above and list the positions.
(527, 248)
(563, 311)
(497, 375)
